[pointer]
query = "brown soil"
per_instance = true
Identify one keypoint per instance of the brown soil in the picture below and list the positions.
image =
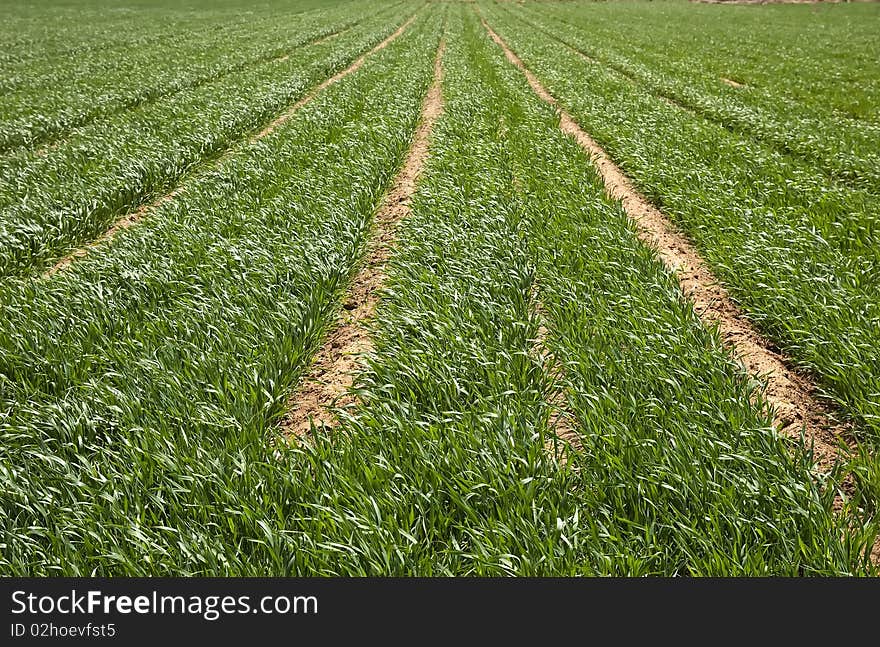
(317, 41)
(327, 37)
(790, 395)
(630, 78)
(138, 214)
(588, 59)
(328, 383)
(45, 149)
(732, 83)
(560, 421)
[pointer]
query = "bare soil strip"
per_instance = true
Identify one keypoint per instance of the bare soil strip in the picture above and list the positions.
(561, 420)
(123, 223)
(138, 214)
(587, 57)
(664, 95)
(790, 394)
(329, 381)
(354, 67)
(632, 79)
(627, 76)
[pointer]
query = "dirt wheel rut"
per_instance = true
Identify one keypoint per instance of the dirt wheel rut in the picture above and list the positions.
(328, 383)
(790, 394)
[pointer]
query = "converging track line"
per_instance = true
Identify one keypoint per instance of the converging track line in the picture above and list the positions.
(330, 378)
(134, 217)
(790, 395)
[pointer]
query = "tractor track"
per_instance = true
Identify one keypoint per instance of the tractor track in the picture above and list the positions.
(41, 145)
(832, 175)
(329, 380)
(791, 395)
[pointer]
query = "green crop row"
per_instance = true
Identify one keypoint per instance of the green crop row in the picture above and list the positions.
(53, 201)
(58, 98)
(844, 148)
(799, 254)
(444, 469)
(52, 32)
(138, 388)
(107, 57)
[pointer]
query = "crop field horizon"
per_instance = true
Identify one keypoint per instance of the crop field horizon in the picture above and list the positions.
(439, 288)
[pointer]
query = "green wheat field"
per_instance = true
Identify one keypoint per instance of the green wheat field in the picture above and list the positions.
(186, 202)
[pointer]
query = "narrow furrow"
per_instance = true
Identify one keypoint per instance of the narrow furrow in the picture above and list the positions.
(329, 381)
(443, 466)
(560, 421)
(790, 394)
(354, 67)
(55, 203)
(318, 41)
(238, 53)
(113, 38)
(134, 217)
